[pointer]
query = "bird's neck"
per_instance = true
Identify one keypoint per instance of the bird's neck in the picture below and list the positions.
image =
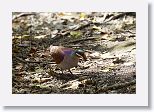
(69, 52)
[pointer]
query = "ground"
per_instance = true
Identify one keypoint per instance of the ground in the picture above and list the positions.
(108, 39)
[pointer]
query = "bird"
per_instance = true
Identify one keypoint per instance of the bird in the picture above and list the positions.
(66, 58)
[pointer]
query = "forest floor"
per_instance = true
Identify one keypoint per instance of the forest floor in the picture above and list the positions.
(109, 40)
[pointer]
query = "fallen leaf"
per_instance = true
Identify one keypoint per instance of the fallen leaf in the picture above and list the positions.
(97, 28)
(82, 16)
(105, 70)
(19, 66)
(128, 63)
(95, 55)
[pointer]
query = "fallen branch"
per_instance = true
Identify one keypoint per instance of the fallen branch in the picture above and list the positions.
(116, 86)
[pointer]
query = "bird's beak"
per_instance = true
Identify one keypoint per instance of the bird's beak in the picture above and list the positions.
(82, 56)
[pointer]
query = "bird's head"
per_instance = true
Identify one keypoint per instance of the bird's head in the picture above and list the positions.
(81, 53)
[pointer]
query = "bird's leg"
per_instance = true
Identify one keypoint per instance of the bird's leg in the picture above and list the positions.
(70, 71)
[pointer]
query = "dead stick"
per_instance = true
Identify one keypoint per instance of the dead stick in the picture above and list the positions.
(23, 15)
(33, 61)
(121, 15)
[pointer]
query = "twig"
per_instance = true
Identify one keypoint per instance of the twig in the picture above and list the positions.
(83, 26)
(121, 15)
(116, 86)
(74, 45)
(22, 15)
(23, 61)
(84, 39)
